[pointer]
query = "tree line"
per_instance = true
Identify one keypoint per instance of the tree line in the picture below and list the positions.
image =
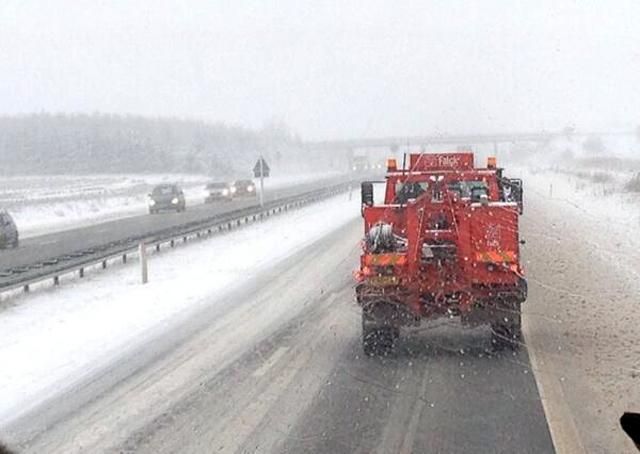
(103, 143)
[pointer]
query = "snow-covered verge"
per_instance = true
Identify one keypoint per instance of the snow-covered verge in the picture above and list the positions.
(605, 200)
(47, 204)
(56, 336)
(582, 258)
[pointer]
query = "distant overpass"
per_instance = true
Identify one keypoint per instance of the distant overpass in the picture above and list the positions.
(452, 139)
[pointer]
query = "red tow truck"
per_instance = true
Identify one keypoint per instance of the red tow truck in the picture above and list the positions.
(444, 243)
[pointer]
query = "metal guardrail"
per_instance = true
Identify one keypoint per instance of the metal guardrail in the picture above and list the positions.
(77, 261)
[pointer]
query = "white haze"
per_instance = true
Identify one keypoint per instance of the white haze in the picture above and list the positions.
(329, 69)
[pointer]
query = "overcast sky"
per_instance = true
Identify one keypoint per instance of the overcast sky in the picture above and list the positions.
(336, 68)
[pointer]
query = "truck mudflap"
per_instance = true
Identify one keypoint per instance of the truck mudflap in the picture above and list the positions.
(388, 313)
(487, 312)
(385, 305)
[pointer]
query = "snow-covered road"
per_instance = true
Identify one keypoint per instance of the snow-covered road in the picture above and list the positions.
(52, 339)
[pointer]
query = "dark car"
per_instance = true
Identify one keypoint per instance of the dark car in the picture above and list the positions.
(166, 197)
(243, 188)
(8, 231)
(217, 191)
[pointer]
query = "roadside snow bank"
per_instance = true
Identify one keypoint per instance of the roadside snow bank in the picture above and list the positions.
(56, 336)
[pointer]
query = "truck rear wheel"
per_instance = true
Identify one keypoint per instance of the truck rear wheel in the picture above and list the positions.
(377, 340)
(506, 331)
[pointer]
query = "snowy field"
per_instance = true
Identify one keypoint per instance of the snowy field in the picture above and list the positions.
(56, 336)
(597, 185)
(604, 202)
(45, 204)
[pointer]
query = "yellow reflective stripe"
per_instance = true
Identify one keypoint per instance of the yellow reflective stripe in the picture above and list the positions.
(385, 259)
(496, 256)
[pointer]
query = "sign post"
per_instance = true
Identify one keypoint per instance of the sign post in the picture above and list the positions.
(142, 249)
(261, 169)
(261, 182)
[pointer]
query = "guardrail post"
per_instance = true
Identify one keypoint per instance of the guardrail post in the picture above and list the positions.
(142, 249)
(104, 264)
(158, 247)
(26, 288)
(124, 258)
(81, 271)
(56, 280)
(172, 243)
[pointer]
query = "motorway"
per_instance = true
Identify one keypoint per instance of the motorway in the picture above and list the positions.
(276, 366)
(35, 250)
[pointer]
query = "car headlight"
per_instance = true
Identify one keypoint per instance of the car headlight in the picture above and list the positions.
(225, 192)
(152, 202)
(233, 189)
(250, 188)
(174, 200)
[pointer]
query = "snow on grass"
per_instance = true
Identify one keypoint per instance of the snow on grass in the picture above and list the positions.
(596, 202)
(47, 204)
(610, 214)
(54, 337)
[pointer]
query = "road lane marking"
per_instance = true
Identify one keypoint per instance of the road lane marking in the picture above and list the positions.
(268, 364)
(562, 427)
(410, 434)
(240, 425)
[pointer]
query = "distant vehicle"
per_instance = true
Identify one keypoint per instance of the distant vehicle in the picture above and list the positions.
(167, 197)
(243, 188)
(218, 191)
(8, 231)
(360, 164)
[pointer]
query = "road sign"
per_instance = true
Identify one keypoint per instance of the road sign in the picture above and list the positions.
(261, 169)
